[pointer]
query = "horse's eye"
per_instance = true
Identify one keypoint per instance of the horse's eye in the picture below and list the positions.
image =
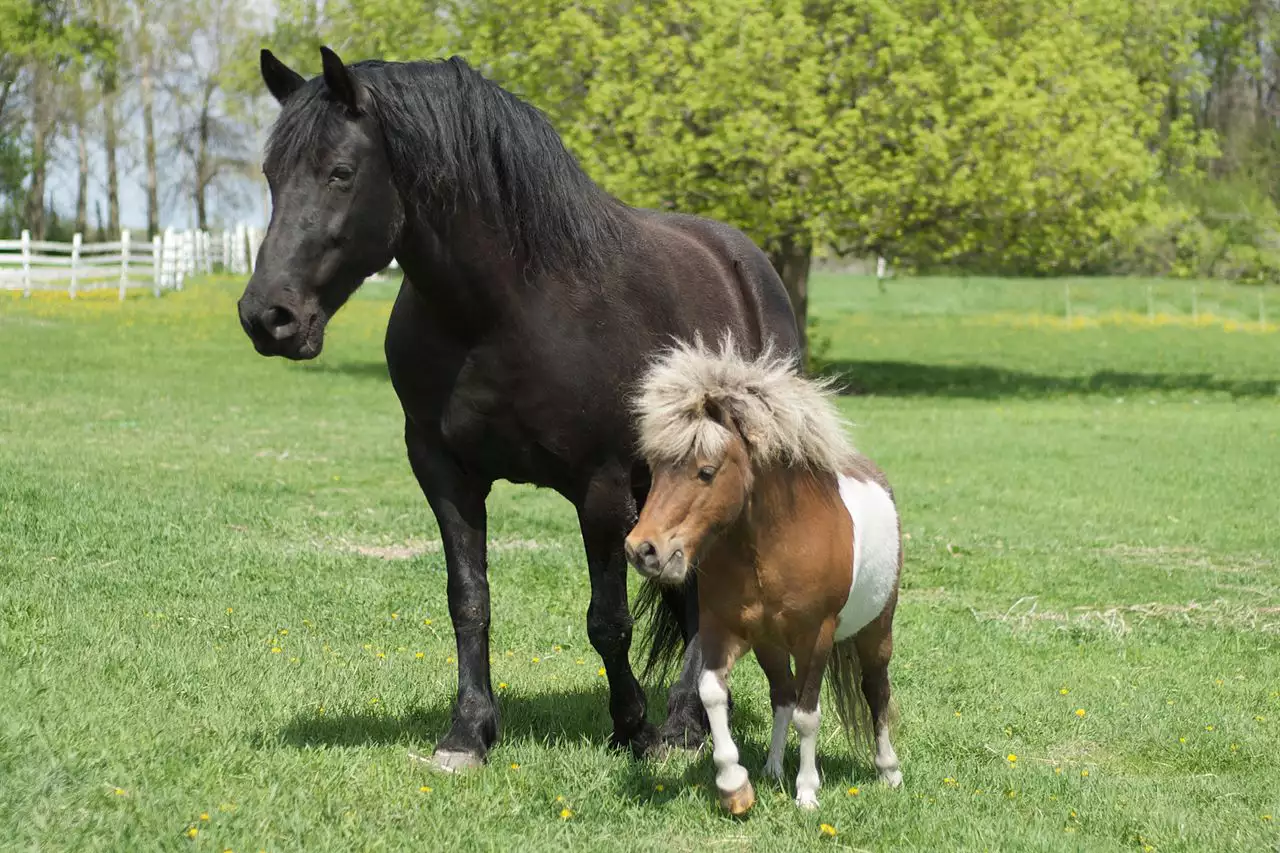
(341, 173)
(706, 473)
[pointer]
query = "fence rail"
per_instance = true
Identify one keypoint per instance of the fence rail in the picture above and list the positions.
(128, 263)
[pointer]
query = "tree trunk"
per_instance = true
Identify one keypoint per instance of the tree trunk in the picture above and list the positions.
(34, 215)
(110, 143)
(203, 176)
(790, 258)
(82, 164)
(149, 136)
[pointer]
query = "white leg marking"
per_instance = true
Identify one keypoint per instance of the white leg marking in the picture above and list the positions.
(778, 748)
(886, 759)
(730, 775)
(807, 724)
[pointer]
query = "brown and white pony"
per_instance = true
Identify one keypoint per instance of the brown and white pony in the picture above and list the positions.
(795, 539)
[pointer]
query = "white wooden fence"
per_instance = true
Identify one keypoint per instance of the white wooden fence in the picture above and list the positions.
(161, 264)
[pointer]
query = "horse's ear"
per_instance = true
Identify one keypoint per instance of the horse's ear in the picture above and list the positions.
(339, 80)
(282, 81)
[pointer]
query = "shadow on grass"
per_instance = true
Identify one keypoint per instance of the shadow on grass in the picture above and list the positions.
(911, 379)
(916, 379)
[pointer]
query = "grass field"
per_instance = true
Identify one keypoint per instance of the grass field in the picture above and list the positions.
(223, 621)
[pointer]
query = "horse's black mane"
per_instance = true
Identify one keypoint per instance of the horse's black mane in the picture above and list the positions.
(456, 139)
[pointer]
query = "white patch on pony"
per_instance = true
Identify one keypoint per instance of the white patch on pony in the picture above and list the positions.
(730, 775)
(808, 782)
(875, 553)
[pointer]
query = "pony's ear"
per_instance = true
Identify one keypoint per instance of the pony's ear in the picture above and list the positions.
(339, 80)
(282, 81)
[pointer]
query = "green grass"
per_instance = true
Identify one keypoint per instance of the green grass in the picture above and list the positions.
(1092, 510)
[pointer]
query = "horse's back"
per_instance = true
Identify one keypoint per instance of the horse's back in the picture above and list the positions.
(746, 268)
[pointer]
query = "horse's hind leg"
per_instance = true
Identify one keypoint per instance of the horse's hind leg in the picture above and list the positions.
(811, 665)
(776, 663)
(875, 648)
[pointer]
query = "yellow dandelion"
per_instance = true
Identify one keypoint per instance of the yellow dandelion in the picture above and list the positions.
(1073, 814)
(1267, 818)
(555, 648)
(368, 646)
(827, 829)
(510, 653)
(284, 632)
(853, 792)
(565, 814)
(579, 661)
(294, 660)
(425, 789)
(1080, 712)
(559, 799)
(373, 701)
(1234, 747)
(659, 787)
(1011, 794)
(1057, 771)
(536, 660)
(275, 650)
(1011, 758)
(1218, 682)
(515, 766)
(600, 671)
(395, 615)
(946, 781)
(204, 815)
(192, 832)
(426, 621)
(1259, 719)
(1084, 774)
(119, 792)
(230, 611)
(449, 659)
(419, 655)
(957, 713)
(1182, 740)
(1208, 728)
(320, 710)
(502, 685)
(381, 655)
(1063, 691)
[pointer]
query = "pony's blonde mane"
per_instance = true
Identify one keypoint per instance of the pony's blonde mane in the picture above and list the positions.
(784, 418)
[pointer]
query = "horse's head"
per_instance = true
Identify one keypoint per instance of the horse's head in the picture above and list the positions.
(692, 500)
(336, 216)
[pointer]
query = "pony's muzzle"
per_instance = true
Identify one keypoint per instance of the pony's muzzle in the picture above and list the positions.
(665, 565)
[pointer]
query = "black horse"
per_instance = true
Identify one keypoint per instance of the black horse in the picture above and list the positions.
(530, 303)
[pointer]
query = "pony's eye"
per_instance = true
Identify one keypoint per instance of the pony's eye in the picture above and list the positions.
(341, 173)
(706, 473)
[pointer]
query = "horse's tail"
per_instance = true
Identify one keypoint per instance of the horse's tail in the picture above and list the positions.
(844, 681)
(661, 633)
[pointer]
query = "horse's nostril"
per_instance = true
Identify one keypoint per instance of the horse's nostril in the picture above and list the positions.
(279, 322)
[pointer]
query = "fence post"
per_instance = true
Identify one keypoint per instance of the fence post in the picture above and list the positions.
(26, 263)
(254, 242)
(75, 264)
(181, 266)
(226, 253)
(155, 265)
(124, 262)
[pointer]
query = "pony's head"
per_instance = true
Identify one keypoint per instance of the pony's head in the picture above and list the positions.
(336, 216)
(708, 422)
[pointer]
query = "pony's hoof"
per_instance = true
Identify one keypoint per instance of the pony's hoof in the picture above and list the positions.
(739, 802)
(448, 761)
(807, 800)
(892, 778)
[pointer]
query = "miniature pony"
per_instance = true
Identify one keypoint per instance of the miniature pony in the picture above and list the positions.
(796, 542)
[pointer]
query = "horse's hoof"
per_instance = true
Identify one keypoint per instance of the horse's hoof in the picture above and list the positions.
(739, 802)
(773, 769)
(678, 735)
(641, 743)
(449, 761)
(892, 778)
(807, 800)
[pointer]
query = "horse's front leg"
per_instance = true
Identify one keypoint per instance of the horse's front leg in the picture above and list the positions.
(811, 665)
(606, 512)
(720, 649)
(458, 503)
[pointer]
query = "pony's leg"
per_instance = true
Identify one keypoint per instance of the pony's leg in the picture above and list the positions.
(721, 648)
(606, 512)
(811, 665)
(875, 648)
(776, 663)
(458, 503)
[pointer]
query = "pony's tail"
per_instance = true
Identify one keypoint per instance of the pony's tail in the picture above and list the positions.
(844, 682)
(661, 632)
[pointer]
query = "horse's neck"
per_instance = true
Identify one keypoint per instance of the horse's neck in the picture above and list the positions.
(462, 271)
(784, 497)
